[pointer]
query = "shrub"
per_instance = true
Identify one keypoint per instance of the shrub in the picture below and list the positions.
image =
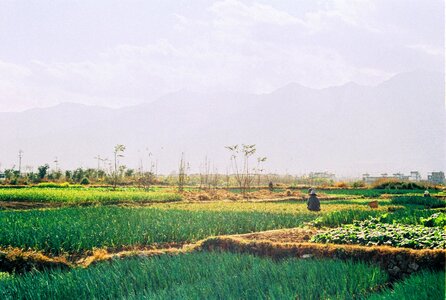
(85, 181)
(387, 183)
(358, 184)
(340, 184)
(52, 185)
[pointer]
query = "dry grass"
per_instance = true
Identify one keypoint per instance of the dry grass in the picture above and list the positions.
(220, 194)
(293, 235)
(18, 260)
(263, 194)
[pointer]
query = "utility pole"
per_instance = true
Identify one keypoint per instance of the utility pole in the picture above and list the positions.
(156, 167)
(56, 161)
(20, 162)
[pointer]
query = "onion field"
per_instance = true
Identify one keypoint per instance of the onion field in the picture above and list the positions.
(77, 229)
(84, 195)
(201, 276)
(132, 220)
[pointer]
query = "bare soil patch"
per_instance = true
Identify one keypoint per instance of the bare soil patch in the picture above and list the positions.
(293, 235)
(4, 205)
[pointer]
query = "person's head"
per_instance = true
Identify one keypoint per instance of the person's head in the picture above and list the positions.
(313, 192)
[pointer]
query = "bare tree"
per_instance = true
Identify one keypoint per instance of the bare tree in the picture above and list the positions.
(119, 149)
(259, 169)
(182, 173)
(205, 173)
(227, 178)
(214, 178)
(20, 162)
(240, 158)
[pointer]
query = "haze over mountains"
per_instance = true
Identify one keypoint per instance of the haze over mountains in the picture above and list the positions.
(399, 125)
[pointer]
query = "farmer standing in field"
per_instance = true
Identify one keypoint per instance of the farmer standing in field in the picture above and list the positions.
(313, 203)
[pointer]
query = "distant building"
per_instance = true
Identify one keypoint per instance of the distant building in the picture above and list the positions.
(371, 179)
(436, 177)
(400, 176)
(415, 176)
(2, 176)
(322, 175)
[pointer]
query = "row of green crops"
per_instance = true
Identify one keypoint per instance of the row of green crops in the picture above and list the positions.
(78, 229)
(421, 286)
(409, 216)
(370, 193)
(374, 232)
(201, 276)
(80, 196)
(427, 202)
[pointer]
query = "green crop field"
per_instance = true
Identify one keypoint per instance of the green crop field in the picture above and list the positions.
(201, 276)
(78, 229)
(374, 232)
(83, 195)
(413, 288)
(168, 221)
(374, 193)
(402, 215)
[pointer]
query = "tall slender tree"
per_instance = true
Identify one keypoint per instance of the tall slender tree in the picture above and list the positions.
(119, 149)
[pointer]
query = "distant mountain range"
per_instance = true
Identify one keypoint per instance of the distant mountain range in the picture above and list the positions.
(399, 125)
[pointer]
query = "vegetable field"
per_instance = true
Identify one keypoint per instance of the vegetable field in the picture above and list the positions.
(79, 229)
(82, 196)
(134, 220)
(201, 276)
(373, 232)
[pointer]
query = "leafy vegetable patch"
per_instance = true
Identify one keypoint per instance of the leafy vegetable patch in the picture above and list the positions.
(373, 232)
(438, 219)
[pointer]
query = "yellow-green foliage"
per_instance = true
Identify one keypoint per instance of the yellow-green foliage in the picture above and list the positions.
(79, 196)
(270, 207)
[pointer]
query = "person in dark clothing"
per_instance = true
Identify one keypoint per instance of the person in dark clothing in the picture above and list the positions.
(313, 203)
(271, 186)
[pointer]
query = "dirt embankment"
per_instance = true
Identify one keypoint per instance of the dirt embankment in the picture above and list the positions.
(293, 235)
(398, 262)
(17, 260)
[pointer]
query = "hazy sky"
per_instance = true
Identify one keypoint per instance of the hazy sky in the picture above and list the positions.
(117, 53)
